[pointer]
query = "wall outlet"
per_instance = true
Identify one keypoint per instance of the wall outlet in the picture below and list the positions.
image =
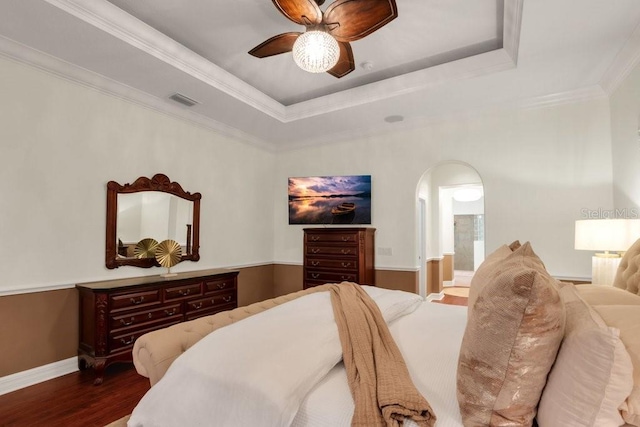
(385, 251)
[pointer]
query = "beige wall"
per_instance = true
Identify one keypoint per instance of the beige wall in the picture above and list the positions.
(434, 276)
(37, 329)
(447, 267)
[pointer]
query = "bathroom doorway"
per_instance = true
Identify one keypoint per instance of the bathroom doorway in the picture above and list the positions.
(450, 226)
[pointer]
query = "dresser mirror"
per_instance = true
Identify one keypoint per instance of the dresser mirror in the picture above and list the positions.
(150, 209)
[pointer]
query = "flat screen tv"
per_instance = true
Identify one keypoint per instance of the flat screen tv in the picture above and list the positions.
(330, 200)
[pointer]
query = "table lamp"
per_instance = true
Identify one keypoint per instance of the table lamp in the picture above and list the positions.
(612, 236)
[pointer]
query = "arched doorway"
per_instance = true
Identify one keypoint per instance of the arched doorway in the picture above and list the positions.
(450, 206)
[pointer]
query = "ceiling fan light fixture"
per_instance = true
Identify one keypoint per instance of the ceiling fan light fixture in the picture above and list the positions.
(316, 51)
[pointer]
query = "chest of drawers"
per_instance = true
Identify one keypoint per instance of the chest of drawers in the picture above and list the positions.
(334, 255)
(113, 314)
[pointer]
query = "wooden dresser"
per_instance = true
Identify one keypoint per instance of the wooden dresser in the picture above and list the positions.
(114, 313)
(334, 255)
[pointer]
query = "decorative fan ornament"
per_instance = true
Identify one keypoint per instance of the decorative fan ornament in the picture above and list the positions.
(145, 248)
(168, 254)
(344, 20)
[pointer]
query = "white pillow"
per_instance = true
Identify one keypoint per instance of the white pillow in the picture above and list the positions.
(592, 375)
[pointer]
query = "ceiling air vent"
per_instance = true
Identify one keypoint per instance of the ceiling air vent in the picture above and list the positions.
(184, 100)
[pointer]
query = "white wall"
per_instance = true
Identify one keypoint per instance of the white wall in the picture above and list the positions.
(625, 137)
(539, 167)
(62, 142)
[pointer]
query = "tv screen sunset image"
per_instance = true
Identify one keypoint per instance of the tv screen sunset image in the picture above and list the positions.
(330, 200)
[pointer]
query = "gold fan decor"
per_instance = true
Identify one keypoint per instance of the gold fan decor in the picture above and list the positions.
(168, 254)
(145, 248)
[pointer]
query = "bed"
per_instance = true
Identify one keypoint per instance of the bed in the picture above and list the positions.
(528, 345)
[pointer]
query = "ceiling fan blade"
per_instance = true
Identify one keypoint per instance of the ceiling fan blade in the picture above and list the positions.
(298, 10)
(356, 19)
(345, 64)
(276, 45)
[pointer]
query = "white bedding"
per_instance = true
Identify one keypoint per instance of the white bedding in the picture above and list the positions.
(429, 339)
(256, 372)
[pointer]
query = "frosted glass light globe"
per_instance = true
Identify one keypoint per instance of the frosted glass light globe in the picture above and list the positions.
(316, 51)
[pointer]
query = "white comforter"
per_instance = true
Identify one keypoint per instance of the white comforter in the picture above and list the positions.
(256, 372)
(429, 339)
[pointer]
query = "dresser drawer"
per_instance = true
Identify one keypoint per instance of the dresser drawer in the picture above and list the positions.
(212, 286)
(344, 238)
(340, 251)
(175, 293)
(125, 338)
(221, 298)
(330, 277)
(332, 264)
(132, 318)
(133, 299)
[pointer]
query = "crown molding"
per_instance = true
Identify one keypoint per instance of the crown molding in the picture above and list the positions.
(20, 53)
(114, 21)
(466, 68)
(512, 27)
(624, 63)
(372, 131)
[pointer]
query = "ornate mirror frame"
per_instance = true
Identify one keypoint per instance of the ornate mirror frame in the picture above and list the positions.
(159, 182)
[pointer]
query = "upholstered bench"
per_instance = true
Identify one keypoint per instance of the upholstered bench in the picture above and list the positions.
(155, 351)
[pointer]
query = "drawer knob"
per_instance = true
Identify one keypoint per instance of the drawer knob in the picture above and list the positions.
(345, 251)
(227, 298)
(197, 306)
(315, 263)
(222, 285)
(129, 341)
(315, 250)
(315, 275)
(315, 238)
(346, 264)
(136, 301)
(345, 238)
(184, 292)
(130, 322)
(170, 313)
(346, 278)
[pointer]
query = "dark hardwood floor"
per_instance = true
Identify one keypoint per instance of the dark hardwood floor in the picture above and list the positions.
(72, 400)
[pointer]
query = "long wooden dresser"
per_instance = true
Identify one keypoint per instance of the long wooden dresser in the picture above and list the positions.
(114, 313)
(334, 255)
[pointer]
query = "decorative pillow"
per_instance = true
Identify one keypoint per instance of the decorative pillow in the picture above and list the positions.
(627, 319)
(592, 375)
(512, 336)
(487, 268)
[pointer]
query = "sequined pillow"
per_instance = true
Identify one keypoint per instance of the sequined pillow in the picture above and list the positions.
(513, 333)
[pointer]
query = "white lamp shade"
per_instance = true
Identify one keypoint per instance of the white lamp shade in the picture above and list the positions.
(606, 234)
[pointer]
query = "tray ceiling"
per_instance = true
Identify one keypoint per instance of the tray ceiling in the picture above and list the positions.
(439, 57)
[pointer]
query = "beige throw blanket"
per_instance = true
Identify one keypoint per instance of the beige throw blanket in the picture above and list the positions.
(378, 377)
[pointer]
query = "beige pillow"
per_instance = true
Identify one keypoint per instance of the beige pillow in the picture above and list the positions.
(484, 272)
(627, 319)
(592, 375)
(512, 336)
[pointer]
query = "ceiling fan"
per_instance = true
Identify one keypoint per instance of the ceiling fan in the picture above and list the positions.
(344, 21)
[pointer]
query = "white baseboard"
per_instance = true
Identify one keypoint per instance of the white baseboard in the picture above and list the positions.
(37, 375)
(435, 297)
